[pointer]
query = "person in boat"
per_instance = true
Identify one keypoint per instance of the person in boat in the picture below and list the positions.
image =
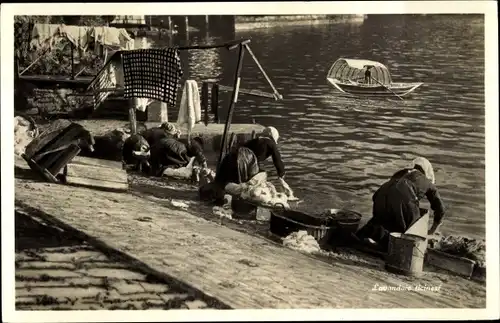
(175, 153)
(166, 130)
(243, 162)
(368, 75)
(396, 204)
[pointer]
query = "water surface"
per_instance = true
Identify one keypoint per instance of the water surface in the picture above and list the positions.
(338, 150)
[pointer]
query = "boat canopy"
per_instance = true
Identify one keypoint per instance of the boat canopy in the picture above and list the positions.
(354, 69)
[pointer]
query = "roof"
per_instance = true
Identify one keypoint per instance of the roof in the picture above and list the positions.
(353, 69)
(361, 63)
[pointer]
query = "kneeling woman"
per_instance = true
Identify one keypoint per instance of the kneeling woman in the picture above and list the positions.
(242, 163)
(396, 203)
(170, 152)
(135, 151)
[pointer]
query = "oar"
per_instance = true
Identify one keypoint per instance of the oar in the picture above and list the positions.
(386, 88)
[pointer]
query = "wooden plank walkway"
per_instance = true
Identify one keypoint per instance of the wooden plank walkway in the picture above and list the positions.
(237, 269)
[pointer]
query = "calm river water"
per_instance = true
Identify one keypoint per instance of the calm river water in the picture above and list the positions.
(338, 150)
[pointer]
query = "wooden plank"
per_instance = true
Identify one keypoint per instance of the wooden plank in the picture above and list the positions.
(56, 162)
(96, 162)
(132, 117)
(66, 137)
(78, 181)
(97, 173)
(68, 154)
(204, 100)
(214, 102)
(43, 172)
(258, 93)
(458, 265)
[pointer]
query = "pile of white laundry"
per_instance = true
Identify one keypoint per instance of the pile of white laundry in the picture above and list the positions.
(302, 242)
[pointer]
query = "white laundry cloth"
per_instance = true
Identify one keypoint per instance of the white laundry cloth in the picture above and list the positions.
(142, 103)
(190, 109)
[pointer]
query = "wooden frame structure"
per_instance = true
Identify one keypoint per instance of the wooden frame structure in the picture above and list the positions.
(243, 47)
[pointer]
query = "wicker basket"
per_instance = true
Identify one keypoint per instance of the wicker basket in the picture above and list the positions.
(326, 230)
(282, 225)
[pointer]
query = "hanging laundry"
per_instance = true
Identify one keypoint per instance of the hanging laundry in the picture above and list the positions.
(142, 103)
(43, 35)
(111, 36)
(78, 35)
(190, 109)
(152, 73)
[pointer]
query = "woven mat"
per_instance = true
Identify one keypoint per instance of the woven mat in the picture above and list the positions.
(152, 74)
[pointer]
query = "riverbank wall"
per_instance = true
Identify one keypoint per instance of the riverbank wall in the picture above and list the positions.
(259, 22)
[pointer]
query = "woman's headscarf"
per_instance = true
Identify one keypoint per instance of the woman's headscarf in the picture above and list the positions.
(171, 129)
(272, 133)
(426, 167)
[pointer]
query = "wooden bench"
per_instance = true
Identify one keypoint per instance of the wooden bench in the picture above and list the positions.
(53, 149)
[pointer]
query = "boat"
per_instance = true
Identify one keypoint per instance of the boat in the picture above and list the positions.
(348, 76)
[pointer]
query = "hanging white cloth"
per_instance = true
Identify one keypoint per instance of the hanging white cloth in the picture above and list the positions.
(142, 103)
(190, 109)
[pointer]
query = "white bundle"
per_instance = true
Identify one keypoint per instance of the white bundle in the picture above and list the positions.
(179, 204)
(258, 190)
(180, 173)
(301, 241)
(222, 212)
(187, 172)
(22, 135)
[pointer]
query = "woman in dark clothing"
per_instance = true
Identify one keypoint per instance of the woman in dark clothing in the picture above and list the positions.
(396, 203)
(242, 164)
(166, 130)
(135, 151)
(170, 152)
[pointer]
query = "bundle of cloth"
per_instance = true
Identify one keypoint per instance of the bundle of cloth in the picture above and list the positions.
(24, 132)
(258, 190)
(301, 241)
(191, 172)
(190, 108)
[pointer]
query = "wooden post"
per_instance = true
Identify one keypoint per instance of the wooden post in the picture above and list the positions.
(215, 102)
(204, 100)
(132, 117)
(234, 99)
(16, 68)
(164, 111)
(169, 24)
(187, 23)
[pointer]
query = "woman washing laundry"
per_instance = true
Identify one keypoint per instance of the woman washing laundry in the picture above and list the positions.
(174, 153)
(242, 163)
(166, 130)
(135, 151)
(396, 203)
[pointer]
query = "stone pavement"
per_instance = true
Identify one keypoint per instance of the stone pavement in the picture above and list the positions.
(55, 271)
